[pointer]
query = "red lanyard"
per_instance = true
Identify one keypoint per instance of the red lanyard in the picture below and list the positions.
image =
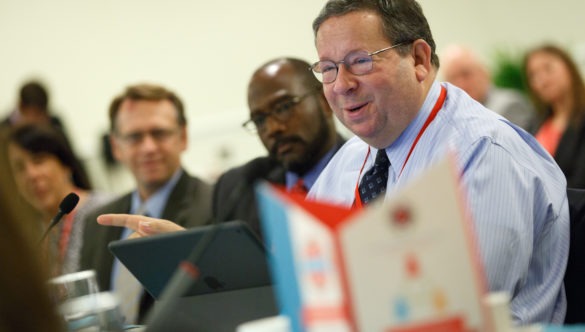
(65, 235)
(358, 201)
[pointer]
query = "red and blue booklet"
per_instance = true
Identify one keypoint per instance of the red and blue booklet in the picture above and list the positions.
(408, 263)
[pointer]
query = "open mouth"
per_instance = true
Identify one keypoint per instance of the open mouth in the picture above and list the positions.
(356, 108)
(285, 146)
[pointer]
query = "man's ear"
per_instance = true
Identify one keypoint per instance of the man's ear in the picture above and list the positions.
(115, 147)
(421, 52)
(183, 137)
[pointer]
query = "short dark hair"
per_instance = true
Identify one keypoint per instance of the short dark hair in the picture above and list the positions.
(148, 92)
(403, 21)
(34, 94)
(41, 138)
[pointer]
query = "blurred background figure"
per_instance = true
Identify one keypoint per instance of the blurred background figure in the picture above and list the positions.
(32, 106)
(148, 134)
(46, 170)
(462, 67)
(25, 305)
(558, 91)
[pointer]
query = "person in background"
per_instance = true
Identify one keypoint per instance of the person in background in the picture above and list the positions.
(558, 91)
(378, 65)
(46, 170)
(462, 67)
(25, 305)
(148, 133)
(32, 107)
(295, 124)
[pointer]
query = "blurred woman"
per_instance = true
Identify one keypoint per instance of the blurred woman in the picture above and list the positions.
(558, 92)
(46, 170)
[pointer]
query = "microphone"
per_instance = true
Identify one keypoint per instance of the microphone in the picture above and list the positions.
(187, 274)
(67, 205)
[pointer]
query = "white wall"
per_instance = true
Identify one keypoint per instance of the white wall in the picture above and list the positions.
(88, 51)
(512, 25)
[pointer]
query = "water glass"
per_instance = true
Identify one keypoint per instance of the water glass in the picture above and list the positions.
(73, 285)
(92, 313)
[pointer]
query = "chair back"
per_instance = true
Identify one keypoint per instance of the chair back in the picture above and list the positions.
(575, 273)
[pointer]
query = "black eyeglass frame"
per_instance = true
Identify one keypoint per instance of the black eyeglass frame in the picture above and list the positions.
(281, 112)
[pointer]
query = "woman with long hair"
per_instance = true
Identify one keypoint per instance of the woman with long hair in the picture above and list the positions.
(558, 92)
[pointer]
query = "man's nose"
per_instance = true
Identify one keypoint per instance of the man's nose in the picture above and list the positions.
(344, 82)
(273, 126)
(147, 141)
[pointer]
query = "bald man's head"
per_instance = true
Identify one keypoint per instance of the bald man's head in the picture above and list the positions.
(463, 68)
(291, 114)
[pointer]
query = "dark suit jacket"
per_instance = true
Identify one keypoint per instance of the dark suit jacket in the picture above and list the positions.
(570, 154)
(189, 205)
(233, 195)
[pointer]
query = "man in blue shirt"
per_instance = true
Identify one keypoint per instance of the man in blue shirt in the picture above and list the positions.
(149, 134)
(378, 67)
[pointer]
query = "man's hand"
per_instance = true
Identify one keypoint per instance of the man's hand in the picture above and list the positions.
(141, 225)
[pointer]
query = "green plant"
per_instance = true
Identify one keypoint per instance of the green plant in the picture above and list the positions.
(507, 70)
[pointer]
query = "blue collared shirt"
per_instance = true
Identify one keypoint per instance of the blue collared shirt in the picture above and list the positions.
(311, 176)
(515, 191)
(153, 207)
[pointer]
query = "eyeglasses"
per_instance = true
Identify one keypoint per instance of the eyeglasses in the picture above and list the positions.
(357, 63)
(159, 135)
(281, 112)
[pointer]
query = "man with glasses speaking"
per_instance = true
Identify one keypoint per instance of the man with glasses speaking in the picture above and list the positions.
(148, 133)
(378, 65)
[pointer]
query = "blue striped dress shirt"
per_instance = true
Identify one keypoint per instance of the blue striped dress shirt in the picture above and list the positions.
(515, 191)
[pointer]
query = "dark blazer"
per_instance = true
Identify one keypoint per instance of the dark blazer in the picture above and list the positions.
(189, 205)
(570, 154)
(233, 195)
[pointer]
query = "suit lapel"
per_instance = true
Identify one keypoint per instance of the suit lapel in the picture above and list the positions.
(177, 197)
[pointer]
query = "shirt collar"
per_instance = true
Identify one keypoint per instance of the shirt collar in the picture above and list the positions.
(155, 204)
(311, 176)
(398, 150)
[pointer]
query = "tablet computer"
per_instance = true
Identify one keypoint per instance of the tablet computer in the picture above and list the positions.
(235, 259)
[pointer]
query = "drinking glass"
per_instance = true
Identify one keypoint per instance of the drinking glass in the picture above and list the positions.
(73, 285)
(81, 305)
(92, 313)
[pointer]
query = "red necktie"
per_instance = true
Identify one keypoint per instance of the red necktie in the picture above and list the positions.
(299, 187)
